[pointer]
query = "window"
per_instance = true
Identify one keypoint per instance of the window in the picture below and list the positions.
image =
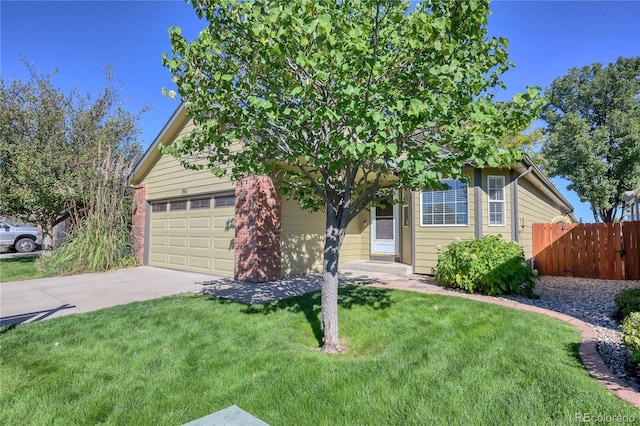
(200, 203)
(159, 207)
(225, 201)
(450, 207)
(495, 187)
(178, 205)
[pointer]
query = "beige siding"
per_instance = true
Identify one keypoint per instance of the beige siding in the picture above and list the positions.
(169, 179)
(504, 230)
(428, 238)
(533, 207)
(303, 240)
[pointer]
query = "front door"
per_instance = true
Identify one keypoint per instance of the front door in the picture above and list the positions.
(384, 232)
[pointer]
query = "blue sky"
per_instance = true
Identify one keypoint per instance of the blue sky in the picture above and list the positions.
(80, 37)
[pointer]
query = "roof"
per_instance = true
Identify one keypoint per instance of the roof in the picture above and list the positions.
(543, 182)
(631, 196)
(179, 119)
(167, 135)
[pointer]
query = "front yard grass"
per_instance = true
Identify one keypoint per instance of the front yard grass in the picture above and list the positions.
(19, 268)
(413, 359)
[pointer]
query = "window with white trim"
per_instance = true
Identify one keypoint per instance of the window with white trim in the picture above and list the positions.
(449, 207)
(497, 201)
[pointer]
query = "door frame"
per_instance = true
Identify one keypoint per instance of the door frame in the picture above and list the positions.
(374, 246)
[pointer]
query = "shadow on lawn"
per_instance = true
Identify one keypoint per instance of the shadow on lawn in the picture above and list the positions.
(309, 304)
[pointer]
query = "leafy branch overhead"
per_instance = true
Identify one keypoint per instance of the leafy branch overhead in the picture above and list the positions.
(344, 91)
(343, 101)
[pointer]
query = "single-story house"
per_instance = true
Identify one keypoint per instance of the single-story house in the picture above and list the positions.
(195, 221)
(632, 198)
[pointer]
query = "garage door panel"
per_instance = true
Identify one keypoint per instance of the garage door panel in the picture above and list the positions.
(223, 222)
(158, 223)
(177, 242)
(177, 260)
(156, 258)
(178, 223)
(199, 242)
(158, 241)
(199, 223)
(222, 245)
(224, 266)
(200, 262)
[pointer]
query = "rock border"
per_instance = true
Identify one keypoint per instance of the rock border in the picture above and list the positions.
(588, 345)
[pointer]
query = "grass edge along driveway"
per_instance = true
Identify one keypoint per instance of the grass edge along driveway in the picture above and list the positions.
(19, 269)
(413, 359)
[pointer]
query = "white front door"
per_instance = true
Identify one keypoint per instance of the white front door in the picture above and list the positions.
(384, 232)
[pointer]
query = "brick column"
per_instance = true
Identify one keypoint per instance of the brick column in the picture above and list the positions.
(138, 221)
(257, 222)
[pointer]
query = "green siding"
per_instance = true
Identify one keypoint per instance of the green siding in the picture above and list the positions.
(533, 207)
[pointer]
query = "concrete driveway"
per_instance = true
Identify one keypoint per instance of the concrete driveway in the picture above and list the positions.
(34, 300)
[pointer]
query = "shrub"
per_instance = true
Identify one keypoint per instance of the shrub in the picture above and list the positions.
(486, 265)
(628, 301)
(631, 330)
(100, 239)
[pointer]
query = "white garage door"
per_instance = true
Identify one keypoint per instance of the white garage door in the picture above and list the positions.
(194, 234)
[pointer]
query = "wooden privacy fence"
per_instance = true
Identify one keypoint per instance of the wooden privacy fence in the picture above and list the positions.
(608, 251)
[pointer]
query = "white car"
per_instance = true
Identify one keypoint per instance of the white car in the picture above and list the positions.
(23, 239)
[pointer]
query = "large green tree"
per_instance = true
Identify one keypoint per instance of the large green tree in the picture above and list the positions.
(593, 117)
(52, 144)
(344, 101)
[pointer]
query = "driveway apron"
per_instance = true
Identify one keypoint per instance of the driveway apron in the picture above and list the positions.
(33, 300)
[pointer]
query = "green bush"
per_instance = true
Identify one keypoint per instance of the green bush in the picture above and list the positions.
(487, 265)
(628, 301)
(100, 239)
(631, 330)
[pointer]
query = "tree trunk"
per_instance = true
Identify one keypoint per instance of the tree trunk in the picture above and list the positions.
(47, 237)
(334, 236)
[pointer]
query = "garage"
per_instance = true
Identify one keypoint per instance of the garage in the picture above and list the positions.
(193, 234)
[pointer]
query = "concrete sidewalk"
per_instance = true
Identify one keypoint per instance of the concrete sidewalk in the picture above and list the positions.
(33, 300)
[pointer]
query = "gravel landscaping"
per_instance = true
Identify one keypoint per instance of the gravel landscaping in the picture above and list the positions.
(591, 301)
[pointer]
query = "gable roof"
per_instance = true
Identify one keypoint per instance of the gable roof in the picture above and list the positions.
(179, 119)
(167, 135)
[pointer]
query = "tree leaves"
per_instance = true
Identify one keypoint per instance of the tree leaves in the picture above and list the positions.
(591, 112)
(53, 143)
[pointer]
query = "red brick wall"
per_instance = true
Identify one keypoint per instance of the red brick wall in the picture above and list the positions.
(258, 230)
(138, 226)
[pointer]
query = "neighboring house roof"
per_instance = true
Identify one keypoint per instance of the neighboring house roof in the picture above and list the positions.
(179, 119)
(631, 196)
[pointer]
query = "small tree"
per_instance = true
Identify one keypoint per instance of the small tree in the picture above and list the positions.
(51, 145)
(593, 116)
(343, 102)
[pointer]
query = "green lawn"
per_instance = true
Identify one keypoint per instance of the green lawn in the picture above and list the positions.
(18, 268)
(413, 359)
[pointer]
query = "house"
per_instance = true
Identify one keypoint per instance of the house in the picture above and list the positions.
(192, 220)
(632, 198)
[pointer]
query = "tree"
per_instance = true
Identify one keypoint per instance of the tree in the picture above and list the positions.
(51, 145)
(593, 117)
(343, 102)
(529, 142)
